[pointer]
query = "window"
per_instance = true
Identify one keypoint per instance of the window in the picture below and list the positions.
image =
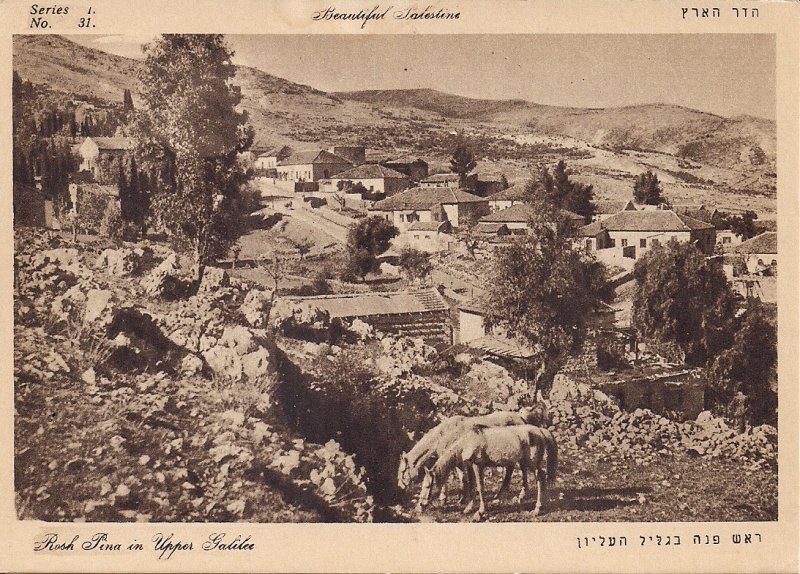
(654, 243)
(726, 240)
(624, 242)
(588, 245)
(612, 242)
(643, 242)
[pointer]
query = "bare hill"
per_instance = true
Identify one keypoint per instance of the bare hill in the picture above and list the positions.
(607, 147)
(658, 127)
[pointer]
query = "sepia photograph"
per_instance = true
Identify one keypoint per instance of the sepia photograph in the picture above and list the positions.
(503, 278)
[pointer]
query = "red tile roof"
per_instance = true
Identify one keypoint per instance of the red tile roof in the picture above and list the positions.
(424, 198)
(649, 220)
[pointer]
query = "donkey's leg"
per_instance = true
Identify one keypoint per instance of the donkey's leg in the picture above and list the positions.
(536, 466)
(443, 490)
(539, 491)
(506, 481)
(524, 468)
(464, 479)
(478, 470)
(471, 481)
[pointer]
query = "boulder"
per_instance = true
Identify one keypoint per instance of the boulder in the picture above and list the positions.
(224, 362)
(257, 365)
(97, 301)
(362, 330)
(255, 307)
(239, 338)
(213, 279)
(164, 281)
(191, 365)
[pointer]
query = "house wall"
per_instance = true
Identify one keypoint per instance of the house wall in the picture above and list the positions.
(415, 170)
(268, 162)
(461, 213)
(634, 238)
(683, 394)
(402, 219)
(428, 241)
(727, 237)
(470, 326)
(89, 153)
(310, 172)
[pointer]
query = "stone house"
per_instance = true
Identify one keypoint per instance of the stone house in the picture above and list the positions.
(312, 165)
(376, 179)
(94, 151)
(661, 389)
(760, 253)
(415, 169)
(355, 154)
(630, 234)
(427, 204)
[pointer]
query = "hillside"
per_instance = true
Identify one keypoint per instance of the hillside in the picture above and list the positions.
(700, 157)
(658, 127)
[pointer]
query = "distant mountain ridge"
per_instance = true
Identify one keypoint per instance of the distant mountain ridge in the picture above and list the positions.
(666, 128)
(286, 112)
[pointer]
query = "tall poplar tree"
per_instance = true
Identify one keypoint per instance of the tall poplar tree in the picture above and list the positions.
(188, 135)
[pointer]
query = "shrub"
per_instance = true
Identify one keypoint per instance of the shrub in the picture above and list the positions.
(114, 227)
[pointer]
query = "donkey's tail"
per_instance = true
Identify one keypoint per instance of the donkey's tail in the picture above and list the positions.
(552, 454)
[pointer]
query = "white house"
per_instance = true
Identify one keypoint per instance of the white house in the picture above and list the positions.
(506, 198)
(375, 178)
(427, 204)
(630, 234)
(311, 165)
(97, 149)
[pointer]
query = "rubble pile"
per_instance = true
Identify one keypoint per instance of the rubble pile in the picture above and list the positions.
(152, 444)
(587, 418)
(402, 356)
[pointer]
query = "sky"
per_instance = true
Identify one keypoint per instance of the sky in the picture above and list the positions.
(725, 74)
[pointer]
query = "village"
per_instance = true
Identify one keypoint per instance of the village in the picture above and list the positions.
(359, 286)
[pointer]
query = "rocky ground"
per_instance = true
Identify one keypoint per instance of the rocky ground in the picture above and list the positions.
(137, 402)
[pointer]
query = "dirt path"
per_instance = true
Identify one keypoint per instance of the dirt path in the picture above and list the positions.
(597, 490)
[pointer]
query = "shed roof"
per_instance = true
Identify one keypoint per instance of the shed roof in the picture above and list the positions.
(424, 198)
(374, 304)
(767, 242)
(502, 347)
